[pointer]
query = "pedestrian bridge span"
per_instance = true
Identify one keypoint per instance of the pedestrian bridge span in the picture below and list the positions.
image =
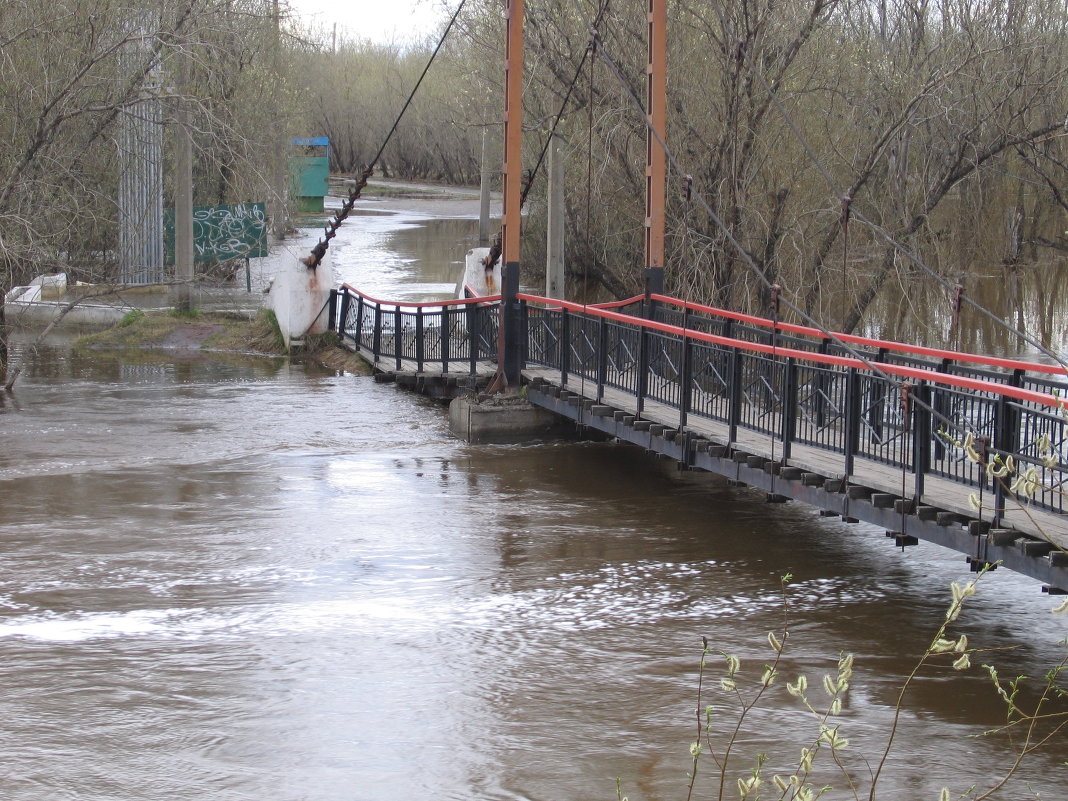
(967, 451)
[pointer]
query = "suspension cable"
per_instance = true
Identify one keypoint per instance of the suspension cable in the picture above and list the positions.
(315, 258)
(495, 248)
(563, 106)
(699, 196)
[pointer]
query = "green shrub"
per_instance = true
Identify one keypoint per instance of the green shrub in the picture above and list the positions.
(131, 317)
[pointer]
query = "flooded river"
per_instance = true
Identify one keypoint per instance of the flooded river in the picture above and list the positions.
(246, 579)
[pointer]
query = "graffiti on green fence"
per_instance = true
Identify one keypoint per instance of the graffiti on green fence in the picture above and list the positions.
(234, 231)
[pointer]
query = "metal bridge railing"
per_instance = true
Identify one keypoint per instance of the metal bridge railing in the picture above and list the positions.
(786, 381)
(801, 388)
(450, 336)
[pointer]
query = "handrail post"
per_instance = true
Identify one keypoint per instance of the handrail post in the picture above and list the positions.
(419, 344)
(921, 436)
(852, 440)
(474, 333)
(334, 323)
(342, 313)
(524, 340)
(941, 409)
(511, 323)
(643, 368)
(1006, 439)
(565, 346)
(877, 410)
(398, 335)
(686, 387)
(821, 387)
(446, 337)
(789, 408)
(376, 341)
(734, 415)
(359, 322)
(602, 357)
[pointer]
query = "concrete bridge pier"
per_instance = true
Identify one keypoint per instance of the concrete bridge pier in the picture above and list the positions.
(501, 419)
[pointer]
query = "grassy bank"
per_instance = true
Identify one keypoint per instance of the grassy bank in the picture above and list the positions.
(217, 332)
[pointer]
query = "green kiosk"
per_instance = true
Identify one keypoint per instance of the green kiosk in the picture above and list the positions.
(309, 168)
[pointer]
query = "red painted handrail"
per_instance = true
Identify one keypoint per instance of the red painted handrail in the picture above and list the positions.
(853, 339)
(423, 304)
(605, 311)
(961, 382)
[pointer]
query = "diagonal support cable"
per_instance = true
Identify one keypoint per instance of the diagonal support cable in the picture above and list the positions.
(315, 258)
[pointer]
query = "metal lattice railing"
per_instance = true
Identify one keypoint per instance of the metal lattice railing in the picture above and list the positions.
(917, 412)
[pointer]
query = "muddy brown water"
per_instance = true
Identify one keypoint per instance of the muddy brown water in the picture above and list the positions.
(244, 579)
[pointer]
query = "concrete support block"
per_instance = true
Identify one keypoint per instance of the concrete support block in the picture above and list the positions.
(299, 297)
(500, 419)
(882, 500)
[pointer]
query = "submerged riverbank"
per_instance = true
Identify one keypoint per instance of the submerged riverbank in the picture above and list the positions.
(230, 319)
(218, 333)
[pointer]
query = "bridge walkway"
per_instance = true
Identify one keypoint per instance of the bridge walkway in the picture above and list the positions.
(873, 437)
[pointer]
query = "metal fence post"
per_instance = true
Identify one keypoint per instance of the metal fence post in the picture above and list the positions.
(342, 313)
(511, 323)
(734, 414)
(524, 339)
(789, 408)
(419, 344)
(446, 336)
(602, 357)
(376, 340)
(852, 439)
(1006, 439)
(334, 324)
(358, 337)
(921, 436)
(822, 387)
(686, 388)
(474, 334)
(565, 346)
(398, 335)
(643, 367)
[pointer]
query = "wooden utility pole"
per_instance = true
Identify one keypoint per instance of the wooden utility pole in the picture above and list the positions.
(276, 194)
(183, 190)
(656, 158)
(554, 232)
(513, 133)
(484, 197)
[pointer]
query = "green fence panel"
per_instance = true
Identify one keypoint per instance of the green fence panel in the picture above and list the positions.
(234, 231)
